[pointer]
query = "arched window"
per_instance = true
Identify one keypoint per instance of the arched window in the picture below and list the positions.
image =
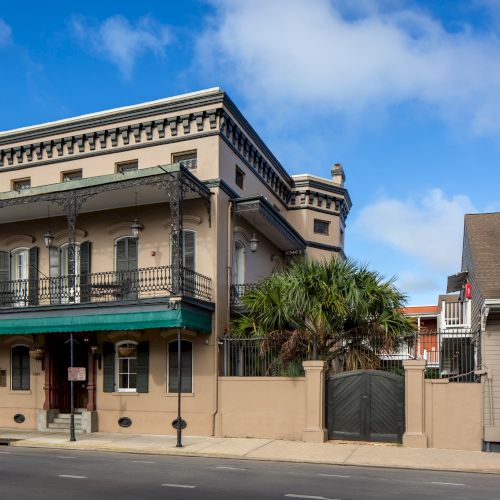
(126, 366)
(20, 368)
(186, 364)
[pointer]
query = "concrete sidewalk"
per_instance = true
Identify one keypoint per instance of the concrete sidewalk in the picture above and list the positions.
(335, 453)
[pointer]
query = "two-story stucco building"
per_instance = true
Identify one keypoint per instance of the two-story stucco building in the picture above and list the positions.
(123, 226)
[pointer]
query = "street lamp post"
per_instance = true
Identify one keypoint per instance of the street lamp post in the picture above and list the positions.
(179, 390)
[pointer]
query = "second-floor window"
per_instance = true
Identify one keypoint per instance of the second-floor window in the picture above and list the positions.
(188, 159)
(21, 184)
(321, 227)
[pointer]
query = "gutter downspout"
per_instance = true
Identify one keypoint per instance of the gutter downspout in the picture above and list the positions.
(228, 310)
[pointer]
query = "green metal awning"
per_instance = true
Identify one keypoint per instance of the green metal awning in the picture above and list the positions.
(178, 318)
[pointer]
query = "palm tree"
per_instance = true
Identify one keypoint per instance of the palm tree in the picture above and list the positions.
(337, 311)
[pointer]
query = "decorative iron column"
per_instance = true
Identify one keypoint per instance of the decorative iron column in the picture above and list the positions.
(176, 196)
(71, 203)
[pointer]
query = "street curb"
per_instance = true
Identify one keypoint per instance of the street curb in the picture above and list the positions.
(228, 456)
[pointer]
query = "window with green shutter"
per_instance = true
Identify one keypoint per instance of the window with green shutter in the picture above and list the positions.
(20, 368)
(126, 264)
(186, 366)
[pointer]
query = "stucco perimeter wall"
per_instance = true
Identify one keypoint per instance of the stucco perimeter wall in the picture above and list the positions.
(453, 415)
(263, 407)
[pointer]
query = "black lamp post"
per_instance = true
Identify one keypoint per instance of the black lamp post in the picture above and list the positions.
(72, 436)
(179, 390)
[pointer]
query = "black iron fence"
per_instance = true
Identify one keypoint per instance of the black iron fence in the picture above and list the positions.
(453, 353)
(450, 354)
(247, 358)
(102, 287)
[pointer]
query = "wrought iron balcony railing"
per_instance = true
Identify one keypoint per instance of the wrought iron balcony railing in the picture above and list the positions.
(237, 291)
(103, 287)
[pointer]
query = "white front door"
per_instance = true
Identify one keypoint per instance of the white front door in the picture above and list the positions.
(70, 285)
(19, 275)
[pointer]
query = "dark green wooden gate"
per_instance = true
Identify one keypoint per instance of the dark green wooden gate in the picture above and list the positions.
(366, 405)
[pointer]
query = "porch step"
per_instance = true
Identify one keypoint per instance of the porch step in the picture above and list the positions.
(64, 426)
(63, 422)
(66, 420)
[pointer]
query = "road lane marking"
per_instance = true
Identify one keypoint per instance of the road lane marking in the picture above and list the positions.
(70, 476)
(310, 497)
(229, 468)
(447, 484)
(69, 458)
(142, 462)
(5, 452)
(332, 475)
(169, 485)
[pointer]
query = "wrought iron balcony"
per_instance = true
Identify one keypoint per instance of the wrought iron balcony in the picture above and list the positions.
(104, 287)
(237, 291)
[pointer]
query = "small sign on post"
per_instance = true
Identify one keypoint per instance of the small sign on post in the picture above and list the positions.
(77, 374)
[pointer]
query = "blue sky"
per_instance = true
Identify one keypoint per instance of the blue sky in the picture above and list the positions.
(405, 94)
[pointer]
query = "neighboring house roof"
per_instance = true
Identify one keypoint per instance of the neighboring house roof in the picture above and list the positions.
(420, 309)
(482, 232)
(449, 297)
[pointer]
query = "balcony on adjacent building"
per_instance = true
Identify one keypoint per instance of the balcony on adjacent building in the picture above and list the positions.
(455, 315)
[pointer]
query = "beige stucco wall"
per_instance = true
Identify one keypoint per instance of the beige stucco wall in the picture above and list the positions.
(264, 407)
(153, 412)
(24, 402)
(453, 415)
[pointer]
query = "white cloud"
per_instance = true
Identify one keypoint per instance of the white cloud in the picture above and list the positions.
(5, 32)
(343, 59)
(429, 228)
(122, 43)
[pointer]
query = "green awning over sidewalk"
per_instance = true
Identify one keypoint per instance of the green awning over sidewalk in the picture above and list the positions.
(178, 318)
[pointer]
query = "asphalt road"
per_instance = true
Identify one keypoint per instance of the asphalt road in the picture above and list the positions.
(52, 474)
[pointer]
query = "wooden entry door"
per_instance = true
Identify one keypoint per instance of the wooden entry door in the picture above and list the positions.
(60, 354)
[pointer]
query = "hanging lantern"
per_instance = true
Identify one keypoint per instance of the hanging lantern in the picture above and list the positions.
(254, 243)
(48, 237)
(136, 228)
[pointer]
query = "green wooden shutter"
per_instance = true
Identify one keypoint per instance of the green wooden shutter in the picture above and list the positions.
(85, 263)
(55, 282)
(143, 367)
(33, 275)
(187, 366)
(5, 287)
(20, 369)
(121, 255)
(189, 262)
(108, 354)
(25, 369)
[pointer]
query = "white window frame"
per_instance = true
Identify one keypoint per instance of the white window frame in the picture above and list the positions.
(20, 283)
(117, 366)
(238, 272)
(168, 366)
(11, 366)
